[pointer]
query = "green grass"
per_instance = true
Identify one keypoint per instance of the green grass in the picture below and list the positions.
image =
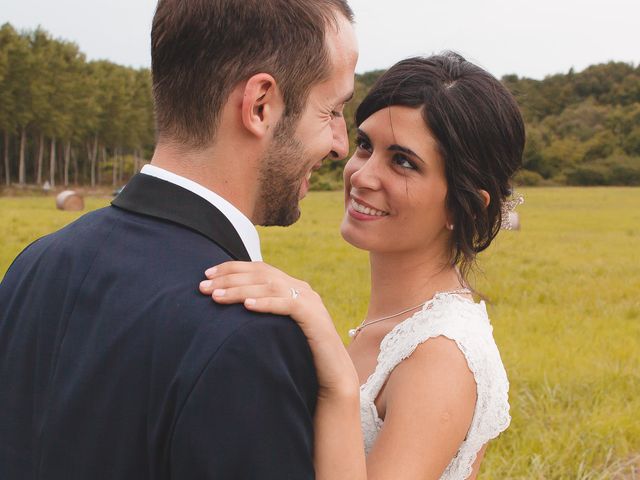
(24, 219)
(564, 298)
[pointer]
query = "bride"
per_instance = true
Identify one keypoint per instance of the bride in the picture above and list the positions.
(421, 385)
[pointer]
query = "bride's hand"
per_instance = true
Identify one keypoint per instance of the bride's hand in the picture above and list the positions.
(263, 288)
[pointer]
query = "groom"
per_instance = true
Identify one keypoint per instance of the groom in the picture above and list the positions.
(112, 364)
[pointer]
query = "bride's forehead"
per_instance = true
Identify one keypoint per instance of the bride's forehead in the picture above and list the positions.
(392, 118)
(399, 125)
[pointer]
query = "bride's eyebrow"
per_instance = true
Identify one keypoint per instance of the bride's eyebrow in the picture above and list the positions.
(405, 150)
(391, 148)
(362, 135)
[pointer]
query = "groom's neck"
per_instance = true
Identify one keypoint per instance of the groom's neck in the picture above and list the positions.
(225, 171)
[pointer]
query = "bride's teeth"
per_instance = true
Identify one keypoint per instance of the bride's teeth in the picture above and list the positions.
(366, 210)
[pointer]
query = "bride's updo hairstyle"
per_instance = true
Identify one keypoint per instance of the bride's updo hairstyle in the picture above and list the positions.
(479, 130)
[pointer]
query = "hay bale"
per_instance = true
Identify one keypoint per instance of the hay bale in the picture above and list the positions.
(69, 201)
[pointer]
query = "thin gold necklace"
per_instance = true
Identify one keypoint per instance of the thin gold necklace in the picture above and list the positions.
(355, 331)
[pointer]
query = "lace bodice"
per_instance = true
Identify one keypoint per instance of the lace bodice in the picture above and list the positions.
(466, 323)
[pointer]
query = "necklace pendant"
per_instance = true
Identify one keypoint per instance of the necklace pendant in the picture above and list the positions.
(353, 332)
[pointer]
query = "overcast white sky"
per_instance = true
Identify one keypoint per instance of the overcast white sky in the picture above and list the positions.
(531, 38)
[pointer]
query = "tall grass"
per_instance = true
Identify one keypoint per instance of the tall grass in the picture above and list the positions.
(24, 219)
(563, 295)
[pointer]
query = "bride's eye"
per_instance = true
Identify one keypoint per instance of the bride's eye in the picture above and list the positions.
(363, 144)
(402, 161)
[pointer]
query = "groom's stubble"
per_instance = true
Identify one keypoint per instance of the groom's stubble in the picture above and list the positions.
(282, 170)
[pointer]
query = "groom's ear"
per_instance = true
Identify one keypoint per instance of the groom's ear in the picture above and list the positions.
(262, 104)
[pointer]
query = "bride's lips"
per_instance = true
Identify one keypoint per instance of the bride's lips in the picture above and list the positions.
(361, 210)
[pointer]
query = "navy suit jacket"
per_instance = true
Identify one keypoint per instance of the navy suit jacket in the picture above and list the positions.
(114, 366)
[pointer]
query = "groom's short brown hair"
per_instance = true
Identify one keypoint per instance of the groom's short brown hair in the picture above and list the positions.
(201, 49)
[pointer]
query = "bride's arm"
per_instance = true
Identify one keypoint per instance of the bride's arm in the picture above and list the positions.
(429, 402)
(339, 450)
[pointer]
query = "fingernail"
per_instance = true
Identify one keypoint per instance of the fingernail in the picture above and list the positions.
(211, 271)
(206, 284)
(219, 292)
(250, 302)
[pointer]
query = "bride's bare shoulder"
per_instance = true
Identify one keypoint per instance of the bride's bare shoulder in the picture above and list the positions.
(436, 368)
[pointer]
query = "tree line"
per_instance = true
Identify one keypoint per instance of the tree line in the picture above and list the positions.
(583, 128)
(66, 120)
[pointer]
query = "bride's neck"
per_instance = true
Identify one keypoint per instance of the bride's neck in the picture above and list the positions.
(402, 280)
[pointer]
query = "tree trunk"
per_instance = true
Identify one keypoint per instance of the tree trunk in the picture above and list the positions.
(74, 159)
(22, 171)
(91, 162)
(114, 169)
(103, 161)
(121, 170)
(94, 160)
(67, 161)
(52, 163)
(40, 159)
(7, 167)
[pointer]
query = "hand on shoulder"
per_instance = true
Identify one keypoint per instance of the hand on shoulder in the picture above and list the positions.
(266, 289)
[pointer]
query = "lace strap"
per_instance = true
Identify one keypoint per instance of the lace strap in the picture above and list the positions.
(404, 338)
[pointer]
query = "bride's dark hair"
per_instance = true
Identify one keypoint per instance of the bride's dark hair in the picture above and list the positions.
(480, 134)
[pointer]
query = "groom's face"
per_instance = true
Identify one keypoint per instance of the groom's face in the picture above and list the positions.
(299, 148)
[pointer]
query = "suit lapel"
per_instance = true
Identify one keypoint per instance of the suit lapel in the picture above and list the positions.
(158, 198)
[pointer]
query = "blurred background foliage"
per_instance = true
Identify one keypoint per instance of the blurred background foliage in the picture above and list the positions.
(67, 120)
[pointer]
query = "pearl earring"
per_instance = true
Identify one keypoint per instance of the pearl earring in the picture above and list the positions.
(449, 226)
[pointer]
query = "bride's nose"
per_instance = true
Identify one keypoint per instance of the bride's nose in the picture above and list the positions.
(368, 175)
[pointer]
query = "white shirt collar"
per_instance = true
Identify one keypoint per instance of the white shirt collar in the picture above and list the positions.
(244, 227)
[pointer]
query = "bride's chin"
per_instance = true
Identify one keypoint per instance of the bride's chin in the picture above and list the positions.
(353, 238)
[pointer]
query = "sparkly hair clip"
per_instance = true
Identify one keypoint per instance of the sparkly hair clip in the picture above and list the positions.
(510, 220)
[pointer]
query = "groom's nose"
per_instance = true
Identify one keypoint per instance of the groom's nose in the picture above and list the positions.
(340, 146)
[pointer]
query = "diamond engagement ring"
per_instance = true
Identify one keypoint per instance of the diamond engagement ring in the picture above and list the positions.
(294, 293)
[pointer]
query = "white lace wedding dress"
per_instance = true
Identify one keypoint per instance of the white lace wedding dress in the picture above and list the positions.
(466, 323)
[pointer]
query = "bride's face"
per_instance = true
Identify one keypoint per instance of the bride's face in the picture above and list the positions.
(395, 186)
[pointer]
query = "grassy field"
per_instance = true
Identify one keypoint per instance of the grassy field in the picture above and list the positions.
(564, 298)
